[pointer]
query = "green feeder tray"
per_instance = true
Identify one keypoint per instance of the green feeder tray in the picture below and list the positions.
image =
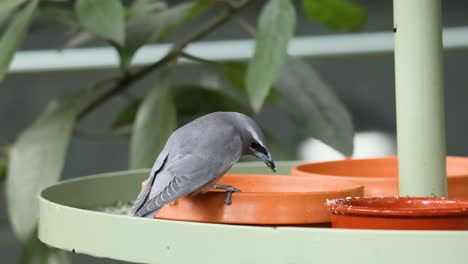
(69, 220)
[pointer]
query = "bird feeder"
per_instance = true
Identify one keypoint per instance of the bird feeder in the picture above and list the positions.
(68, 220)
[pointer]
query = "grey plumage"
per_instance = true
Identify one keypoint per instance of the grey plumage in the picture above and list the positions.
(196, 155)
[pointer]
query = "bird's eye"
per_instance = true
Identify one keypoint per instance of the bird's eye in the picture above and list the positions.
(254, 145)
(257, 147)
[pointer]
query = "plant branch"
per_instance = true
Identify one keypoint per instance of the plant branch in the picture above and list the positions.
(196, 58)
(246, 26)
(177, 49)
(226, 3)
(126, 81)
(120, 85)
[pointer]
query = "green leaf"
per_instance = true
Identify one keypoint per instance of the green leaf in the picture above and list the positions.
(105, 18)
(10, 4)
(197, 8)
(191, 101)
(123, 123)
(3, 164)
(195, 101)
(67, 18)
(36, 252)
(336, 14)
(155, 121)
(314, 107)
(143, 8)
(234, 74)
(275, 28)
(37, 159)
(3, 169)
(7, 8)
(4, 157)
(127, 115)
(143, 29)
(14, 35)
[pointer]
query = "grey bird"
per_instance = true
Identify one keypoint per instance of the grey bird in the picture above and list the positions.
(197, 155)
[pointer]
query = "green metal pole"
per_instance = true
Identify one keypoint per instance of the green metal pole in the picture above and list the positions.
(420, 97)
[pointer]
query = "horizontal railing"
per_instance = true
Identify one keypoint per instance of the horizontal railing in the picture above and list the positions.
(317, 46)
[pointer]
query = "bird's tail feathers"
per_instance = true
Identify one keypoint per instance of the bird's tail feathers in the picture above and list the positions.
(143, 196)
(151, 215)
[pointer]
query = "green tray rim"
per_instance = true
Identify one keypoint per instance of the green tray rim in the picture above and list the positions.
(161, 241)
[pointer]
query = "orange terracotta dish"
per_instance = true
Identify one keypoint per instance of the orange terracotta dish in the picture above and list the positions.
(264, 200)
(400, 213)
(380, 175)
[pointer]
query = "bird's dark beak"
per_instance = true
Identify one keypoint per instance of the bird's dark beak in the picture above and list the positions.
(267, 159)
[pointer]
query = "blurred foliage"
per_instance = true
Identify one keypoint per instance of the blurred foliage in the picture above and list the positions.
(36, 158)
(14, 35)
(35, 252)
(336, 14)
(4, 155)
(155, 116)
(275, 28)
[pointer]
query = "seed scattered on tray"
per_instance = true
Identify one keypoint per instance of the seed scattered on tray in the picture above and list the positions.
(118, 208)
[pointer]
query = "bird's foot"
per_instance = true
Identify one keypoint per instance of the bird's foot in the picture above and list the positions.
(229, 190)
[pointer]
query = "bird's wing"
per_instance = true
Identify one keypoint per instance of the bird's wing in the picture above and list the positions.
(189, 171)
(158, 165)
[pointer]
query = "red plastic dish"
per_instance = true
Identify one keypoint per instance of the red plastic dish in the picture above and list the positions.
(400, 213)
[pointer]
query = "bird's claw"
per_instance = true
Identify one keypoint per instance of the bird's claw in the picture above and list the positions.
(232, 189)
(229, 190)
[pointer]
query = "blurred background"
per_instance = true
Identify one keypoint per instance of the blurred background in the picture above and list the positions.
(364, 82)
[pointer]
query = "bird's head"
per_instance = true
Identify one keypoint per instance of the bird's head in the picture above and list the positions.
(254, 142)
(262, 153)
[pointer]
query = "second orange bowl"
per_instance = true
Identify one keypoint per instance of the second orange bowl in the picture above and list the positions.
(380, 175)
